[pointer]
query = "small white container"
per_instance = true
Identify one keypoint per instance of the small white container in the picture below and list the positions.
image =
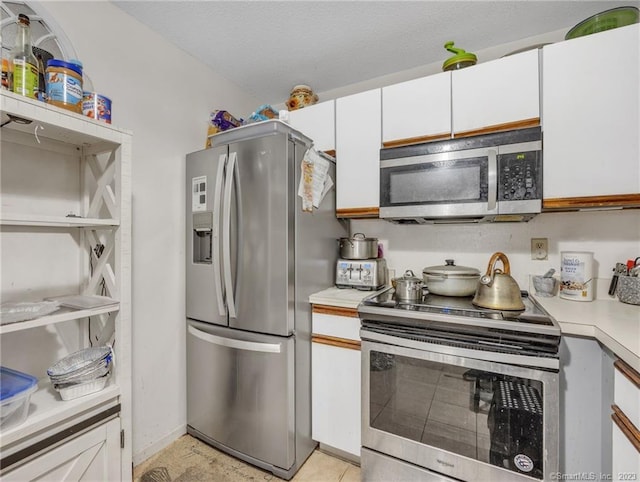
(576, 275)
(82, 389)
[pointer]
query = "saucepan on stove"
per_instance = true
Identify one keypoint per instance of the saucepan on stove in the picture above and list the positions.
(451, 280)
(497, 290)
(408, 287)
(358, 246)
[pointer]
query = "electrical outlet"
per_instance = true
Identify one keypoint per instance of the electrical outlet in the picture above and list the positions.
(539, 248)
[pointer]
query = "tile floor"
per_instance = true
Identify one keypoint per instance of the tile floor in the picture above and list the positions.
(190, 460)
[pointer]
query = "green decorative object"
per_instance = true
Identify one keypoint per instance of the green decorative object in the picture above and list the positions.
(460, 60)
(614, 18)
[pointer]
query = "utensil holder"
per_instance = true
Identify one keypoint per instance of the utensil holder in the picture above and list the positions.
(629, 289)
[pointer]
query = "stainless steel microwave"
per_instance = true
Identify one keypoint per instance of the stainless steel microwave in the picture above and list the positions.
(492, 177)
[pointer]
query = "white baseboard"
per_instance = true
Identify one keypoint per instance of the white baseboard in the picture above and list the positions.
(157, 446)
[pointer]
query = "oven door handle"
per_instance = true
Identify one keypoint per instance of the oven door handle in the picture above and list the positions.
(492, 180)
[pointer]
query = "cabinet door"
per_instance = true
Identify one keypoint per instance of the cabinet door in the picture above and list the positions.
(625, 461)
(417, 111)
(590, 115)
(358, 141)
(497, 95)
(92, 456)
(335, 389)
(317, 122)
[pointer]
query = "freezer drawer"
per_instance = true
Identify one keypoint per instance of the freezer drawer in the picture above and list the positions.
(240, 391)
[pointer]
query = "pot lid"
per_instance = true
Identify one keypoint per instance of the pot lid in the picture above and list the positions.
(450, 270)
(409, 276)
(461, 55)
(360, 237)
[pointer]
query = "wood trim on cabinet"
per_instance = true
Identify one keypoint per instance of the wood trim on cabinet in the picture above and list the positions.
(586, 202)
(335, 341)
(358, 213)
(416, 140)
(508, 126)
(632, 375)
(624, 424)
(335, 310)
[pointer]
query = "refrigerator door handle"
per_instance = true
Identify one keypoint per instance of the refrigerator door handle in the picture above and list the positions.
(217, 206)
(233, 343)
(226, 240)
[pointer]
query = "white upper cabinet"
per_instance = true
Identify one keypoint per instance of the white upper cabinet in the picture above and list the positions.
(418, 110)
(318, 122)
(358, 142)
(590, 119)
(487, 96)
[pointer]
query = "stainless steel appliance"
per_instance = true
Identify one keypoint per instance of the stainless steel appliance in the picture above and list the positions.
(364, 274)
(451, 391)
(253, 259)
(493, 177)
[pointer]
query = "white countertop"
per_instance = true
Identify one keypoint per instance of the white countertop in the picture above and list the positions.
(614, 324)
(341, 297)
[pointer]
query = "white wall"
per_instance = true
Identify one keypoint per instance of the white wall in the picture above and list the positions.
(164, 97)
(613, 236)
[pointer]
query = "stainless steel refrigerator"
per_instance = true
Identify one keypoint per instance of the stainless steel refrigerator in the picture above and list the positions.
(253, 259)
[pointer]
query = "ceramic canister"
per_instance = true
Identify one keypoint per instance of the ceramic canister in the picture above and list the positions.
(576, 275)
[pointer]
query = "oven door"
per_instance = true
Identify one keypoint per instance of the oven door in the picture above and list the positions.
(464, 418)
(442, 185)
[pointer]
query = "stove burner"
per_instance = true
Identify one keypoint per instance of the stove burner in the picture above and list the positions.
(463, 307)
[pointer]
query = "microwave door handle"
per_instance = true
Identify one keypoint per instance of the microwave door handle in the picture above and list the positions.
(226, 240)
(217, 199)
(492, 180)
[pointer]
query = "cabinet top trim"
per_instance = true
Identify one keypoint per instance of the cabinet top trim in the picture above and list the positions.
(632, 375)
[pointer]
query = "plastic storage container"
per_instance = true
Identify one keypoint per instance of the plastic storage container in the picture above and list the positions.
(15, 392)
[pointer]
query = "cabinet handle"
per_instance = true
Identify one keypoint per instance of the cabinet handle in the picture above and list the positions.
(492, 180)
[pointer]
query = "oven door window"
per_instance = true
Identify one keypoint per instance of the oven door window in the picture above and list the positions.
(437, 182)
(489, 417)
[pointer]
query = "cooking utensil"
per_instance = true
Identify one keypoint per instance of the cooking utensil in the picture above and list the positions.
(358, 247)
(620, 269)
(451, 280)
(497, 290)
(613, 18)
(409, 287)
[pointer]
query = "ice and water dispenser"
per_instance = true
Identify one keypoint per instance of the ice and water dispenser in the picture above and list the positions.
(202, 237)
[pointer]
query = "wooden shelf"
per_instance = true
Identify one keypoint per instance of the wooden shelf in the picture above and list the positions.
(37, 220)
(63, 314)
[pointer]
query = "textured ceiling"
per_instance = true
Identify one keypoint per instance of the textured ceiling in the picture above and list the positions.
(266, 47)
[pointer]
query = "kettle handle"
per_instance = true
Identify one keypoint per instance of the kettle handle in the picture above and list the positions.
(505, 262)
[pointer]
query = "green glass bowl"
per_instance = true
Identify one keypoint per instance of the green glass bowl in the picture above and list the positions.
(614, 18)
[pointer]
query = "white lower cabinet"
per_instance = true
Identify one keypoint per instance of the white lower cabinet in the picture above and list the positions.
(92, 456)
(626, 456)
(335, 385)
(625, 440)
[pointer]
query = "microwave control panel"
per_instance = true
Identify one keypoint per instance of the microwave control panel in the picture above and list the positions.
(520, 176)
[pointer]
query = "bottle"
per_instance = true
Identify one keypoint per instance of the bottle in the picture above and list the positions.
(23, 65)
